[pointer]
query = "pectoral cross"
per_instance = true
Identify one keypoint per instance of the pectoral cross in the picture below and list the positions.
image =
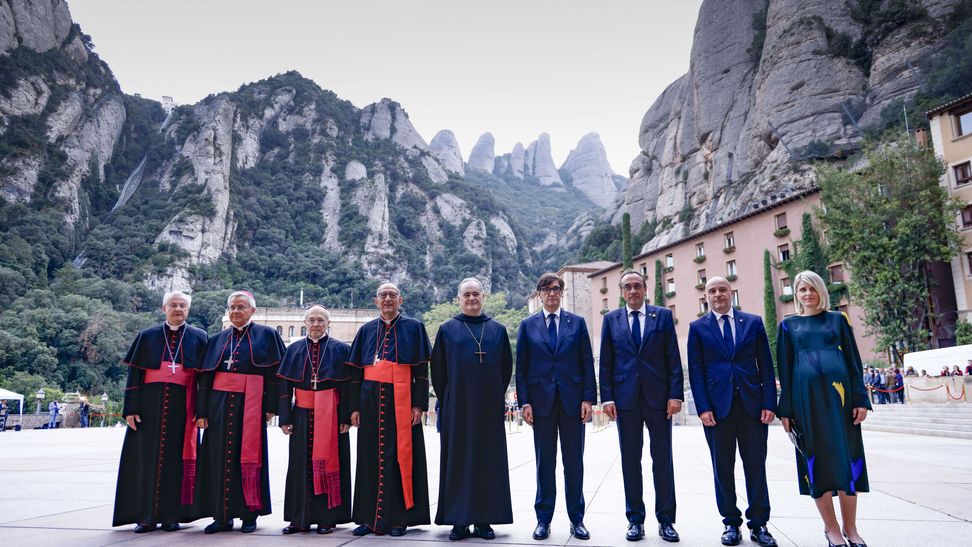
(229, 363)
(481, 355)
(173, 367)
(314, 381)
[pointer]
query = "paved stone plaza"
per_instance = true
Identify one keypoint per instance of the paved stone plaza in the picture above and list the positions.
(58, 489)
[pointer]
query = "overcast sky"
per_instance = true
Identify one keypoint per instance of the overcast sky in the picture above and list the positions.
(514, 68)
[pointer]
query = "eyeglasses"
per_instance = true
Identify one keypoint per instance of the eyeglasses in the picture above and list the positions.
(632, 287)
(384, 295)
(239, 308)
(315, 320)
(551, 290)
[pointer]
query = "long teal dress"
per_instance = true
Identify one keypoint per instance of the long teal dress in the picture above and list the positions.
(821, 382)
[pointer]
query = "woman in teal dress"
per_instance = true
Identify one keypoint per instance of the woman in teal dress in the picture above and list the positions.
(823, 398)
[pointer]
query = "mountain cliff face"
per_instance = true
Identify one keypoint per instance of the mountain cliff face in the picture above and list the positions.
(771, 86)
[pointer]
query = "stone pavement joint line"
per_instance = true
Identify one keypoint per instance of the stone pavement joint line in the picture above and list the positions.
(58, 488)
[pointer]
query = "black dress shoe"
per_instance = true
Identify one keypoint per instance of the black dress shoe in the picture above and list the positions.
(484, 531)
(542, 531)
(458, 532)
(292, 529)
(667, 532)
(579, 531)
(249, 526)
(397, 531)
(762, 536)
(731, 536)
(636, 532)
(852, 544)
(217, 527)
(832, 544)
(321, 529)
(170, 526)
(362, 530)
(143, 528)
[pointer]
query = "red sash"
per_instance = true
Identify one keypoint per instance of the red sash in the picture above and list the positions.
(400, 376)
(168, 373)
(325, 457)
(251, 450)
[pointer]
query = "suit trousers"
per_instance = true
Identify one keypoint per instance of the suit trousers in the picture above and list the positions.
(571, 432)
(631, 424)
(739, 428)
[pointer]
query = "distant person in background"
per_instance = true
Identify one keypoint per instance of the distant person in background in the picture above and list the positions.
(944, 371)
(899, 385)
(880, 386)
(83, 411)
(956, 371)
(3, 415)
(968, 368)
(909, 372)
(52, 408)
(924, 374)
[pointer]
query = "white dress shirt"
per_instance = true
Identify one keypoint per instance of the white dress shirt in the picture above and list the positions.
(732, 322)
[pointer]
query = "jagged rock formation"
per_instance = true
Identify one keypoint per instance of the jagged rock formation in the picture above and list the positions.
(482, 155)
(589, 171)
(538, 162)
(445, 149)
(771, 84)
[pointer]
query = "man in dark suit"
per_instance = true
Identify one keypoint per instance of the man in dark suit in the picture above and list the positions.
(731, 373)
(641, 385)
(556, 389)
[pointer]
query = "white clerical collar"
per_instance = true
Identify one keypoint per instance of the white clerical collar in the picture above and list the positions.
(641, 309)
(247, 324)
(174, 327)
(388, 322)
(718, 315)
(309, 337)
(547, 314)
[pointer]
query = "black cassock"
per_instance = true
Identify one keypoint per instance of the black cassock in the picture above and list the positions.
(471, 369)
(151, 470)
(301, 506)
(379, 495)
(233, 479)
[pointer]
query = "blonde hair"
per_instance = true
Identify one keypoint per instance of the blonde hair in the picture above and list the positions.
(817, 284)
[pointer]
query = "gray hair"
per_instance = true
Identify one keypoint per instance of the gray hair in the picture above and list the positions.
(388, 284)
(470, 280)
(307, 312)
(817, 283)
(176, 294)
(241, 294)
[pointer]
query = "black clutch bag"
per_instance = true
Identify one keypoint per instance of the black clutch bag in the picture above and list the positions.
(796, 437)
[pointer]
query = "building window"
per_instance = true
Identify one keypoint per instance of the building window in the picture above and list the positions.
(674, 317)
(604, 304)
(780, 221)
(731, 267)
(671, 284)
(279, 330)
(963, 173)
(786, 286)
(730, 240)
(290, 332)
(303, 331)
(604, 282)
(968, 258)
(700, 250)
(702, 278)
(784, 252)
(735, 298)
(644, 269)
(669, 261)
(703, 306)
(963, 123)
(837, 273)
(967, 216)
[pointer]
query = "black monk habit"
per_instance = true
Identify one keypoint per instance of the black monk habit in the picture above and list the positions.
(305, 361)
(379, 496)
(471, 369)
(152, 468)
(233, 473)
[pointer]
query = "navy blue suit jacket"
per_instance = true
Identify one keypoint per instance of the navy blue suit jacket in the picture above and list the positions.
(715, 373)
(542, 371)
(653, 370)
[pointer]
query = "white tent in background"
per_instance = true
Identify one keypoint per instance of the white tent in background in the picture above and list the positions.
(6, 394)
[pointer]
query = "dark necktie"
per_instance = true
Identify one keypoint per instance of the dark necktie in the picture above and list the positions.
(727, 334)
(552, 331)
(636, 330)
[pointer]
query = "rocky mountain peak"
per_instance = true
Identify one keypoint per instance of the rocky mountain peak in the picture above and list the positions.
(588, 170)
(538, 162)
(483, 155)
(386, 120)
(445, 148)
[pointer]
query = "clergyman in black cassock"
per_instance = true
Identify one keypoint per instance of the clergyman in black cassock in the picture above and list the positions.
(388, 395)
(158, 461)
(314, 412)
(238, 392)
(471, 369)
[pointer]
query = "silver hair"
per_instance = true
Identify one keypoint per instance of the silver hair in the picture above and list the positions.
(176, 294)
(241, 294)
(388, 284)
(470, 280)
(327, 314)
(817, 283)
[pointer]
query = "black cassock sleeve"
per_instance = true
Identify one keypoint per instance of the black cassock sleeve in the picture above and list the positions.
(133, 389)
(438, 365)
(204, 387)
(285, 402)
(354, 389)
(507, 358)
(420, 386)
(271, 389)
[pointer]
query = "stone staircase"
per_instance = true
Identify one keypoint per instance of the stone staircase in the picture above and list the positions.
(937, 420)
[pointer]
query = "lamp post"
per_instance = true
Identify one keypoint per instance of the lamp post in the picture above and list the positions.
(104, 403)
(40, 398)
